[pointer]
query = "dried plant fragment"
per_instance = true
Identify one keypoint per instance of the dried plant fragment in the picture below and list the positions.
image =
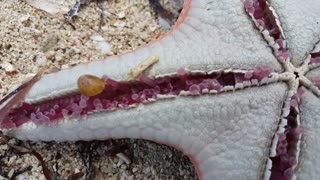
(75, 9)
(134, 73)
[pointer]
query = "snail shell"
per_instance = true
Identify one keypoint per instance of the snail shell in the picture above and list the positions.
(90, 85)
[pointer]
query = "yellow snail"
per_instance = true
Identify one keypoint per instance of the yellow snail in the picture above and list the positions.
(90, 85)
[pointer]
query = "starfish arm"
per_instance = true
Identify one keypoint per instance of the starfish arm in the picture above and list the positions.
(267, 22)
(313, 59)
(312, 85)
(208, 129)
(309, 158)
(310, 69)
(114, 95)
(218, 39)
(300, 22)
(285, 148)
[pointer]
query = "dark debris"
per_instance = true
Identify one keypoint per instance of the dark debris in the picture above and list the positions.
(162, 12)
(155, 5)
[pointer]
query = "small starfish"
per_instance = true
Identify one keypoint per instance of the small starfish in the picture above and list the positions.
(226, 109)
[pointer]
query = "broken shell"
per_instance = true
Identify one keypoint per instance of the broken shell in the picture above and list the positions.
(90, 85)
(7, 67)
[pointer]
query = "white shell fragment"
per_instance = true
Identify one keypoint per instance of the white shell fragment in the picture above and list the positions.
(53, 7)
(102, 44)
(7, 67)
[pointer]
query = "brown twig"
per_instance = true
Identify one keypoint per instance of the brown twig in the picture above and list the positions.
(21, 149)
(17, 173)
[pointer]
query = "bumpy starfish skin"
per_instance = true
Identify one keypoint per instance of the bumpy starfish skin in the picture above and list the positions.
(309, 160)
(249, 133)
(300, 20)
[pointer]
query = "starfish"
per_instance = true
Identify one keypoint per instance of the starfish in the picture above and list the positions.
(235, 89)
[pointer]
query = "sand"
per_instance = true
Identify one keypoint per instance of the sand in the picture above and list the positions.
(31, 38)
